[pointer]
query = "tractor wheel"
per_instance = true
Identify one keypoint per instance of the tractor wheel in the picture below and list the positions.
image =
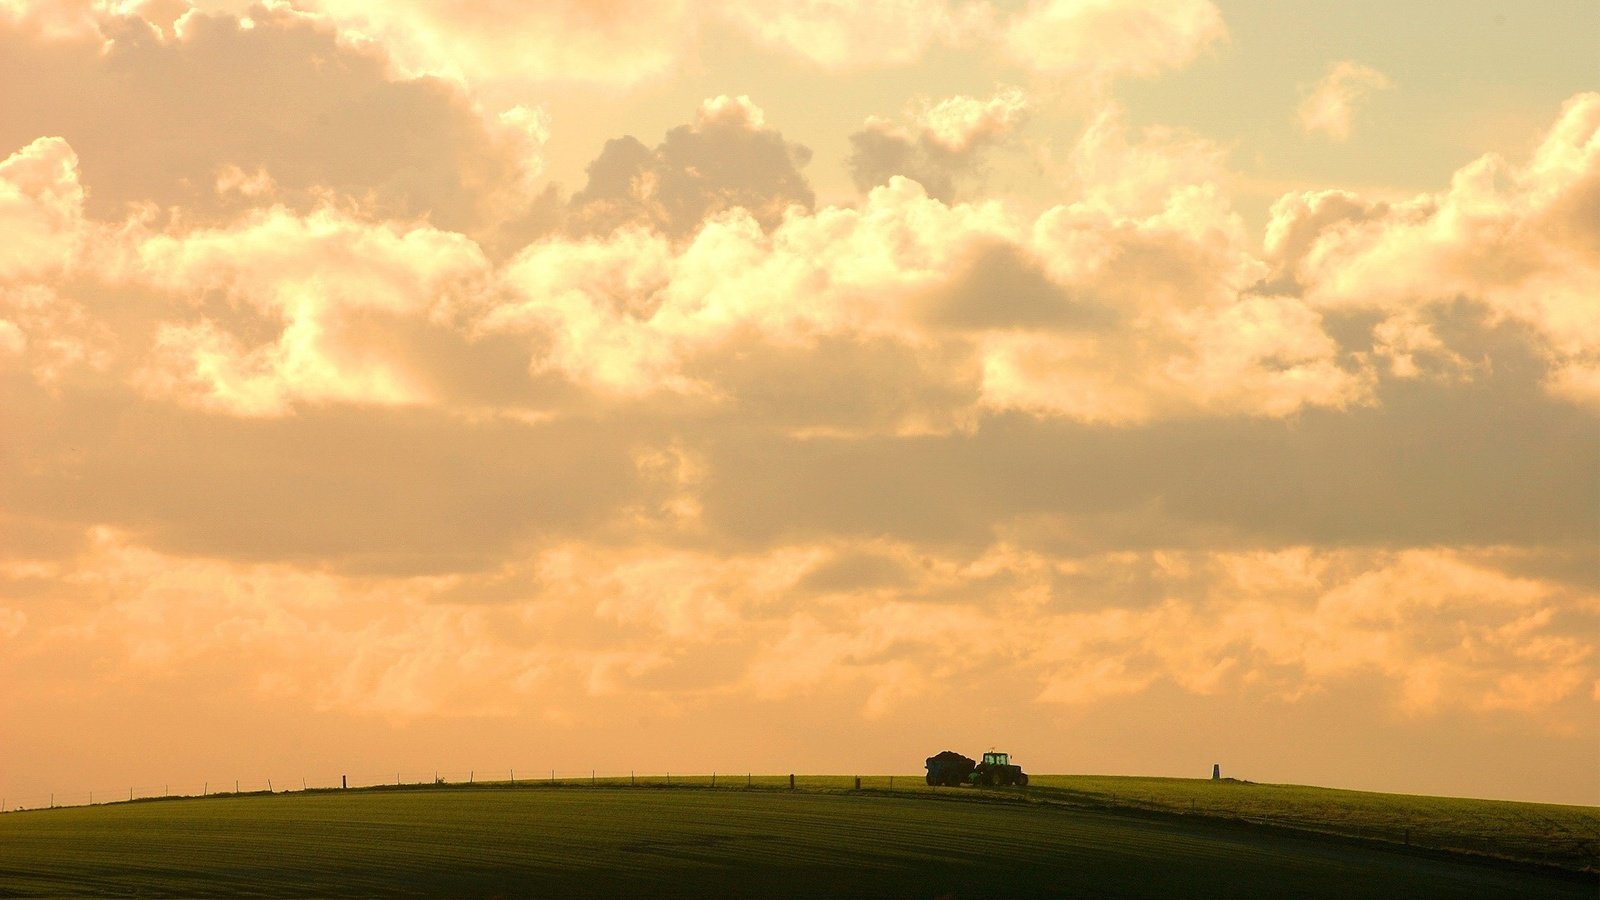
(988, 779)
(1022, 779)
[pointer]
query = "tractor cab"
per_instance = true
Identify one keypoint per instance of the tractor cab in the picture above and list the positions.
(997, 759)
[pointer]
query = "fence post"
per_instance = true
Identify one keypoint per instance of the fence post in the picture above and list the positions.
(130, 795)
(552, 776)
(858, 782)
(591, 778)
(269, 787)
(344, 782)
(470, 774)
(748, 778)
(791, 781)
(891, 784)
(630, 779)
(713, 779)
(513, 777)
(236, 785)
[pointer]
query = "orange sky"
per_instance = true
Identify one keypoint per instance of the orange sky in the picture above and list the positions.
(1129, 384)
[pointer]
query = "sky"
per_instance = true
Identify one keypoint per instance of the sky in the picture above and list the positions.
(800, 386)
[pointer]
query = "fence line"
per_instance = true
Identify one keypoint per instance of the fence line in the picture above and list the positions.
(592, 777)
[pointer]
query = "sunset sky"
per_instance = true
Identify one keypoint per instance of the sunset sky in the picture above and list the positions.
(800, 385)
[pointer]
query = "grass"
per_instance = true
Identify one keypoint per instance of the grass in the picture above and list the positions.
(609, 840)
(1543, 833)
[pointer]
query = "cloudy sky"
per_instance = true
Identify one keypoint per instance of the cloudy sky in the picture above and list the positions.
(800, 385)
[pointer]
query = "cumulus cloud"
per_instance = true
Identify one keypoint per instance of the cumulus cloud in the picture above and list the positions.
(1519, 240)
(1330, 105)
(1100, 40)
(940, 145)
(41, 204)
(729, 158)
(339, 294)
(274, 109)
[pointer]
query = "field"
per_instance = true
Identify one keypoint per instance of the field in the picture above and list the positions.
(1070, 836)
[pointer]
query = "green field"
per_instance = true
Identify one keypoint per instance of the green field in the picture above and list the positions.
(613, 840)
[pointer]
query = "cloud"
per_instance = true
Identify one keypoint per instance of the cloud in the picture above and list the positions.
(41, 204)
(637, 622)
(618, 42)
(53, 19)
(727, 159)
(941, 145)
(275, 98)
(1096, 41)
(1330, 105)
(337, 292)
(1519, 240)
(871, 34)
(1150, 257)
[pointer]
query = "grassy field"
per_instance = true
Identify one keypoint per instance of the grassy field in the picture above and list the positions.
(1565, 836)
(541, 840)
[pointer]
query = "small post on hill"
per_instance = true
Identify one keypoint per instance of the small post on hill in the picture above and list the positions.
(513, 777)
(552, 776)
(713, 779)
(1216, 771)
(470, 774)
(791, 781)
(591, 778)
(631, 782)
(91, 798)
(344, 782)
(130, 795)
(858, 782)
(269, 785)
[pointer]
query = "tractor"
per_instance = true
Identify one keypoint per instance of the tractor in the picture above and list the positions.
(952, 769)
(996, 769)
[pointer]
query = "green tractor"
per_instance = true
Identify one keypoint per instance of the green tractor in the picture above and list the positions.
(996, 769)
(951, 769)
